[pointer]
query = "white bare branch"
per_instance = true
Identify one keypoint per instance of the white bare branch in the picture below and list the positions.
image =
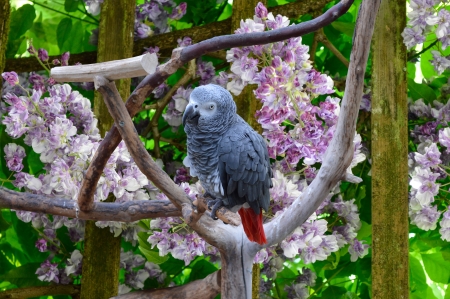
(112, 70)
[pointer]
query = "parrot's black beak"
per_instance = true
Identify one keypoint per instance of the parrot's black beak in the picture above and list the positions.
(190, 115)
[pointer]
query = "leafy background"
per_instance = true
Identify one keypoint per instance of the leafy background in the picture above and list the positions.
(61, 26)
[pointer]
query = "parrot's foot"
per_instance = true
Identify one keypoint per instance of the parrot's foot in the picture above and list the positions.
(214, 205)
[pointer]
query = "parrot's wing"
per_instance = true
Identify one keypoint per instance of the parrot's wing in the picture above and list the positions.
(244, 167)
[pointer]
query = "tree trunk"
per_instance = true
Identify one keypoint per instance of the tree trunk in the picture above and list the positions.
(5, 12)
(389, 155)
(100, 277)
(237, 264)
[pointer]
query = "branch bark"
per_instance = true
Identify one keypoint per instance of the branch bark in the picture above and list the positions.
(206, 288)
(51, 290)
(340, 151)
(101, 211)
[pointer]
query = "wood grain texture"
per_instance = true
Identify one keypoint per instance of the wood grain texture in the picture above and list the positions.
(5, 13)
(389, 155)
(101, 257)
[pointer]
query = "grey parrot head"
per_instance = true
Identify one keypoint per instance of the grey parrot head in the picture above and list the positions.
(211, 109)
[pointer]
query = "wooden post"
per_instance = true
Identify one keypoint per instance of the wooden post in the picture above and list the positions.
(5, 12)
(100, 276)
(246, 102)
(389, 155)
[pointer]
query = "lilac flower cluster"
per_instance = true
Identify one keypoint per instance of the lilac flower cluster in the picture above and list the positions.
(183, 246)
(155, 11)
(428, 17)
(299, 289)
(286, 84)
(428, 165)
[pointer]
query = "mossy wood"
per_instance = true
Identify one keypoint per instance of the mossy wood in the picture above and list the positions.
(389, 155)
(101, 260)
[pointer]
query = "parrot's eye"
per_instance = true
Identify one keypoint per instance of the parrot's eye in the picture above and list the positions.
(211, 107)
(196, 106)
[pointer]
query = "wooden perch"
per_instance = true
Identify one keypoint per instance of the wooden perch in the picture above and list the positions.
(112, 70)
(101, 211)
(154, 173)
(340, 151)
(206, 288)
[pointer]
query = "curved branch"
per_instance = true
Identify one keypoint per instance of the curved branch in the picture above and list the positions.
(55, 289)
(260, 38)
(204, 226)
(143, 90)
(340, 152)
(206, 288)
(101, 211)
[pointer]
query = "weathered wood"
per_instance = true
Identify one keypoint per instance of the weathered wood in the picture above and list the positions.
(167, 41)
(117, 69)
(51, 290)
(340, 151)
(5, 11)
(101, 211)
(389, 155)
(206, 288)
(100, 276)
(246, 106)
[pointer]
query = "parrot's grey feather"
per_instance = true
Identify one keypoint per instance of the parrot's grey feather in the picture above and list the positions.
(229, 158)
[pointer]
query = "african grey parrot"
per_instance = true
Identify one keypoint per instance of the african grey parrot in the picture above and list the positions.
(229, 157)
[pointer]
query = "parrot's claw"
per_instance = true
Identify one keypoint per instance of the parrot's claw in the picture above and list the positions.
(214, 205)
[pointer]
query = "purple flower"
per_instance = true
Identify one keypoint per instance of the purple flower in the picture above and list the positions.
(205, 70)
(261, 11)
(74, 263)
(426, 218)
(445, 226)
(141, 30)
(41, 245)
(182, 175)
(412, 37)
(444, 138)
(439, 62)
(430, 158)
(184, 42)
(11, 77)
(442, 20)
(43, 54)
(179, 11)
(14, 155)
(65, 58)
(358, 250)
(48, 272)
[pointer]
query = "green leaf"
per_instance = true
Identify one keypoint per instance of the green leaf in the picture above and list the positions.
(153, 256)
(201, 269)
(417, 278)
(421, 91)
(74, 44)
(23, 276)
(63, 32)
(71, 5)
(344, 27)
(365, 230)
(350, 295)
(447, 293)
(426, 67)
(437, 268)
(333, 292)
(21, 20)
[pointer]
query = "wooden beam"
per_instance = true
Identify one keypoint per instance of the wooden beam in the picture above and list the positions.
(168, 41)
(389, 154)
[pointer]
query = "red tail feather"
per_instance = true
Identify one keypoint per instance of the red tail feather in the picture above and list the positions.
(253, 225)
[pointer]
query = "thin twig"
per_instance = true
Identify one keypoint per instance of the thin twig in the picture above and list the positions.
(321, 37)
(423, 50)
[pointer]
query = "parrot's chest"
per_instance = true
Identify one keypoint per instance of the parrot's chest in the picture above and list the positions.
(203, 161)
